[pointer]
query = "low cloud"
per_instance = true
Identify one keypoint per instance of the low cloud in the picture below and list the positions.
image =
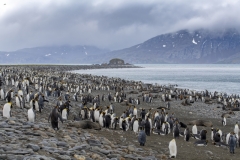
(106, 23)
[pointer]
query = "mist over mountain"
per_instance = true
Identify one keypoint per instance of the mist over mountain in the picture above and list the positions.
(53, 54)
(199, 46)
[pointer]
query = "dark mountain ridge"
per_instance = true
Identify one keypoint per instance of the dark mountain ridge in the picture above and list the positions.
(199, 46)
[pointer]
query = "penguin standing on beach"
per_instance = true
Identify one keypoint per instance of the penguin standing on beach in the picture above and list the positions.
(7, 110)
(64, 114)
(194, 129)
(172, 148)
(186, 134)
(2, 93)
(203, 134)
(114, 124)
(54, 115)
(224, 121)
(107, 120)
(236, 128)
(135, 125)
(147, 127)
(124, 125)
(31, 115)
(141, 137)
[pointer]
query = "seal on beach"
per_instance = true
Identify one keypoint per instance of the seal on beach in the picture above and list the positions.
(201, 123)
(85, 124)
(7, 110)
(172, 148)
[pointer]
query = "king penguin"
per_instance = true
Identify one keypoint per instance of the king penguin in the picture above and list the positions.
(31, 115)
(135, 111)
(7, 110)
(224, 121)
(172, 148)
(64, 114)
(194, 129)
(186, 134)
(135, 126)
(236, 128)
(2, 93)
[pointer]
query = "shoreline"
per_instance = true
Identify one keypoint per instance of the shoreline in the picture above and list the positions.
(71, 142)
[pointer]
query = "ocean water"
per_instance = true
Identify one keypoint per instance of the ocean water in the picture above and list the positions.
(213, 77)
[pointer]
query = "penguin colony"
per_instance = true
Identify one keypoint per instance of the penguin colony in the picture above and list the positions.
(31, 87)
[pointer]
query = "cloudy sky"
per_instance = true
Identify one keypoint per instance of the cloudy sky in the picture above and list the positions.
(112, 24)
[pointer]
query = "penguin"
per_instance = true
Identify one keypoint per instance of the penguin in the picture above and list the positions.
(7, 110)
(28, 97)
(220, 144)
(64, 114)
(135, 111)
(120, 122)
(18, 102)
(217, 137)
(141, 137)
(20, 92)
(213, 131)
(194, 129)
(201, 143)
(135, 126)
(167, 128)
(124, 125)
(172, 148)
(2, 94)
(54, 116)
(147, 127)
(114, 124)
(227, 138)
(31, 115)
(176, 131)
(108, 120)
(203, 134)
(186, 134)
(236, 128)
(224, 121)
(101, 120)
(96, 115)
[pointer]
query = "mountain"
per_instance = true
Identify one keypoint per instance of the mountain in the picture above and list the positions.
(200, 46)
(53, 54)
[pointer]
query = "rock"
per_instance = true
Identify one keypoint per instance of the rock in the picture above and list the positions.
(64, 157)
(96, 156)
(131, 148)
(38, 157)
(78, 157)
(190, 112)
(209, 153)
(92, 142)
(34, 147)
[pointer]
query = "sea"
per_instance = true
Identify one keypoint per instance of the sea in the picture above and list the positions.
(223, 78)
